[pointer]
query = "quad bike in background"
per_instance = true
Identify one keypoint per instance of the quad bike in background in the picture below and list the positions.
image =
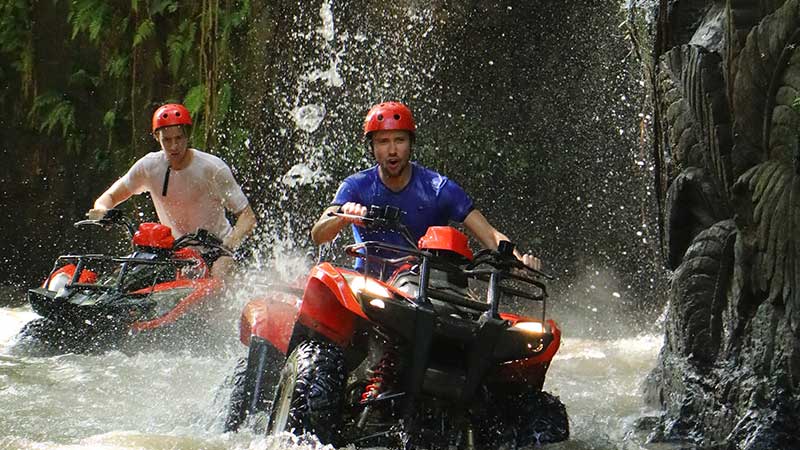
(94, 302)
(411, 351)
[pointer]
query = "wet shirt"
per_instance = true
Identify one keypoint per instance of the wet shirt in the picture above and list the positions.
(429, 199)
(197, 195)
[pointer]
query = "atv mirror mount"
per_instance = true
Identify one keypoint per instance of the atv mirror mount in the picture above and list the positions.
(424, 279)
(493, 295)
(382, 218)
(505, 249)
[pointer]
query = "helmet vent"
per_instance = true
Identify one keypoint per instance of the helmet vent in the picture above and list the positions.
(397, 117)
(380, 116)
(177, 114)
(165, 115)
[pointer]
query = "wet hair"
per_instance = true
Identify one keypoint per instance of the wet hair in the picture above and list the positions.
(412, 136)
(186, 129)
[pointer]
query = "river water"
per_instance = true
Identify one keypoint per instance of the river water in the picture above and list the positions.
(174, 398)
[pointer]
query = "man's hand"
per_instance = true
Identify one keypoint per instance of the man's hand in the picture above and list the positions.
(353, 209)
(531, 261)
(96, 213)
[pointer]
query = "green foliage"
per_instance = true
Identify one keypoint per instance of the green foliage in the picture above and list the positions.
(51, 110)
(237, 17)
(224, 100)
(796, 104)
(109, 119)
(144, 32)
(15, 43)
(91, 17)
(163, 6)
(180, 45)
(194, 99)
(116, 60)
(117, 65)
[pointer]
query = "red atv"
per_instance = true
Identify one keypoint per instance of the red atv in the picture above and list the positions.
(93, 302)
(409, 351)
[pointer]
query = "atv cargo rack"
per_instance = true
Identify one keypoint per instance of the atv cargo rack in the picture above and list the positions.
(125, 262)
(490, 266)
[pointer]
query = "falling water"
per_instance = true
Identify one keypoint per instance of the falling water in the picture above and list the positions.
(549, 95)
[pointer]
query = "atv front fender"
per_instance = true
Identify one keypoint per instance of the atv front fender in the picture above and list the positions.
(271, 318)
(329, 306)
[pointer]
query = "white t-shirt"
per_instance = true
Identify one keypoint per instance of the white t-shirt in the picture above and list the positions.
(197, 195)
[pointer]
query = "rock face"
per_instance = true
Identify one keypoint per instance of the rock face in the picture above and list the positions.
(726, 83)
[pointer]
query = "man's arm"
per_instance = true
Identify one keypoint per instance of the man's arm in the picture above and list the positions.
(245, 223)
(328, 226)
(490, 237)
(112, 197)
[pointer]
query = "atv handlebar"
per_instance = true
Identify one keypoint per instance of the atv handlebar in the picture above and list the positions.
(203, 238)
(112, 217)
(381, 218)
(503, 258)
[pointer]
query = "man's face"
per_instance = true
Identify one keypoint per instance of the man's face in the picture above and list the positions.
(392, 150)
(174, 143)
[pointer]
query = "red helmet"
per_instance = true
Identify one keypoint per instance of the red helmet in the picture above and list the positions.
(389, 116)
(169, 115)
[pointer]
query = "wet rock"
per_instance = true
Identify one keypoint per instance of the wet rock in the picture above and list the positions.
(728, 138)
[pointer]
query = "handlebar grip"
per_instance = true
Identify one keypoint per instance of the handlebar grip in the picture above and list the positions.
(206, 236)
(81, 223)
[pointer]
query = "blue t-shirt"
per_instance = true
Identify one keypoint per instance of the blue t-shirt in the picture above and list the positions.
(429, 199)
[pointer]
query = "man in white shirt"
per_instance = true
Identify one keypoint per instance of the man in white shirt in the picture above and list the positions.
(190, 189)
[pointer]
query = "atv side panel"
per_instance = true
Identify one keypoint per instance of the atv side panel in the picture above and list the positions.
(203, 289)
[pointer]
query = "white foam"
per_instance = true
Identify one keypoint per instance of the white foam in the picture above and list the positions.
(12, 320)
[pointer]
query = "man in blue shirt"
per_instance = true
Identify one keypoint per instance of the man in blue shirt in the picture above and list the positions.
(427, 197)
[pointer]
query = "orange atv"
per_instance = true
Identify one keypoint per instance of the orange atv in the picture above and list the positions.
(95, 302)
(411, 350)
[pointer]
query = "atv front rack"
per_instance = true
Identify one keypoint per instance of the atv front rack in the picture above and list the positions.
(491, 269)
(80, 262)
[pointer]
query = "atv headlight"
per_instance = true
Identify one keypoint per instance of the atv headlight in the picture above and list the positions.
(378, 303)
(535, 328)
(58, 282)
(369, 288)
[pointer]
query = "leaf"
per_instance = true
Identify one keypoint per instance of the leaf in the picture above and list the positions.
(158, 7)
(117, 66)
(110, 118)
(224, 100)
(89, 16)
(145, 30)
(195, 99)
(180, 44)
(51, 110)
(158, 61)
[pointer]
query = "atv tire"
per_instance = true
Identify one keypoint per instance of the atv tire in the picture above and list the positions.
(541, 419)
(254, 381)
(43, 337)
(237, 407)
(310, 392)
